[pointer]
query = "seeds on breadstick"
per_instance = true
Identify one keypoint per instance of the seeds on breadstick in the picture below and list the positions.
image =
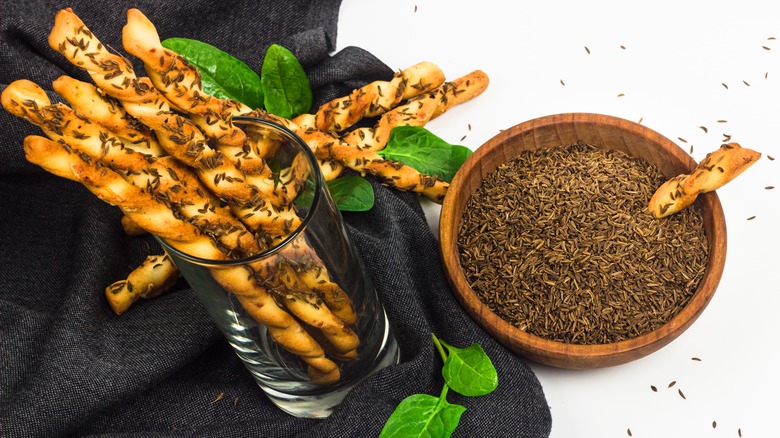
(88, 101)
(109, 186)
(714, 171)
(159, 219)
(176, 134)
(153, 277)
(376, 98)
(176, 78)
(164, 177)
(420, 110)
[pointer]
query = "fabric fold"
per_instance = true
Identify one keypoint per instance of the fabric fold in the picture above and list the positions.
(70, 367)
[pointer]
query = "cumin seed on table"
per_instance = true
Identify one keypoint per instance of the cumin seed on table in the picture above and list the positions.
(559, 243)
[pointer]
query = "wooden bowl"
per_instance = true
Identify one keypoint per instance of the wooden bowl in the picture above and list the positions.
(559, 130)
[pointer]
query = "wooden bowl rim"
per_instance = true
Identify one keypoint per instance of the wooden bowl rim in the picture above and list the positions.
(557, 353)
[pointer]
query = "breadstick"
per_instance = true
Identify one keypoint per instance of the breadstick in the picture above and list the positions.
(418, 111)
(376, 98)
(176, 134)
(715, 170)
(109, 186)
(159, 219)
(88, 101)
(153, 277)
(164, 177)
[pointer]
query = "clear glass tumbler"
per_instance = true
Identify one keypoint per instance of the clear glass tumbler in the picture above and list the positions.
(303, 315)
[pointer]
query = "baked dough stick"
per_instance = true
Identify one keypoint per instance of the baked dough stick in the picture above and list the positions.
(180, 83)
(27, 100)
(176, 134)
(376, 98)
(715, 170)
(88, 101)
(418, 111)
(164, 177)
(160, 220)
(312, 272)
(171, 72)
(391, 173)
(153, 277)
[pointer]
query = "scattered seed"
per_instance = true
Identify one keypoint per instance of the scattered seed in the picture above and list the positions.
(691, 149)
(682, 139)
(671, 383)
(766, 75)
(653, 388)
(725, 86)
(219, 397)
(696, 359)
(463, 138)
(771, 158)
(415, 8)
(745, 82)
(623, 47)
(714, 424)
(620, 95)
(769, 187)
(739, 431)
(640, 120)
(726, 137)
(766, 48)
(235, 401)
(587, 50)
(628, 431)
(469, 126)
(771, 38)
(704, 128)
(722, 121)
(751, 218)
(679, 391)
(563, 83)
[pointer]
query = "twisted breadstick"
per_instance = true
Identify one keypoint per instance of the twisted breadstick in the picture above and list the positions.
(164, 177)
(153, 277)
(88, 101)
(376, 98)
(715, 170)
(176, 134)
(159, 219)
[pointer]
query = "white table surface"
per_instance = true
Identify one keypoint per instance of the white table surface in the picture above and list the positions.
(677, 56)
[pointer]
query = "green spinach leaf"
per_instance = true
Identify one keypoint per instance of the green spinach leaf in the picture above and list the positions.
(423, 415)
(224, 76)
(352, 193)
(285, 85)
(417, 147)
(469, 371)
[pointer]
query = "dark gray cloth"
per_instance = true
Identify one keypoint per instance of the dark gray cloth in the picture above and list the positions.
(70, 367)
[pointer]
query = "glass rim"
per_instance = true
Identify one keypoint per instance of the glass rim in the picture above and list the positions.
(318, 179)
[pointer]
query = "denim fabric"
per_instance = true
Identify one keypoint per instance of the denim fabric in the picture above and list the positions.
(70, 367)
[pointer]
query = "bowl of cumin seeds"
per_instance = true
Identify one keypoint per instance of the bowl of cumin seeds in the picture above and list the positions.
(549, 246)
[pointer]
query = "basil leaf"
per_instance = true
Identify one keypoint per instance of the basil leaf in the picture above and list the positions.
(352, 193)
(223, 75)
(285, 85)
(423, 415)
(469, 371)
(417, 147)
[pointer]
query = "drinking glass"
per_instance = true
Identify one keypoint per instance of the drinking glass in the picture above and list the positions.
(310, 299)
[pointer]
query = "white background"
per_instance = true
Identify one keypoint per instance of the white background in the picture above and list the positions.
(677, 55)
